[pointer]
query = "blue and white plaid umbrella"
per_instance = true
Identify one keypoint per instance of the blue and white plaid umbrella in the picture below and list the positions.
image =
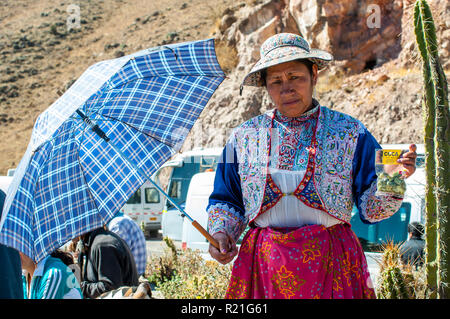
(99, 142)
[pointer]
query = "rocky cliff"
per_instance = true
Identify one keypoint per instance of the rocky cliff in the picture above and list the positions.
(376, 75)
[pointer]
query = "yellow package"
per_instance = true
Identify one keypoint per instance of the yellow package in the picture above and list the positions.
(390, 156)
(389, 172)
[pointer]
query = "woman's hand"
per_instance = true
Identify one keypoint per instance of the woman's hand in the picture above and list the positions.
(408, 160)
(228, 249)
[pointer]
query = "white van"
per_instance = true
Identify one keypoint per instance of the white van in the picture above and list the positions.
(4, 183)
(200, 189)
(182, 168)
(146, 206)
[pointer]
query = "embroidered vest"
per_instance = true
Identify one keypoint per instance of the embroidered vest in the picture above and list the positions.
(328, 181)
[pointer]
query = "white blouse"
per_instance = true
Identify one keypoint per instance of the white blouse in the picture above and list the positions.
(290, 211)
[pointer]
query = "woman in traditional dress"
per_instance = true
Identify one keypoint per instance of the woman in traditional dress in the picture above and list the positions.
(293, 175)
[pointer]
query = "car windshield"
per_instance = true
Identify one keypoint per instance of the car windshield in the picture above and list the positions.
(151, 195)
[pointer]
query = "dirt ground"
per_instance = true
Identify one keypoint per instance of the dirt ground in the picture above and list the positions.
(40, 58)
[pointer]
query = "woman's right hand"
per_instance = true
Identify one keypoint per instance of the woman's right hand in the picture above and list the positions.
(227, 251)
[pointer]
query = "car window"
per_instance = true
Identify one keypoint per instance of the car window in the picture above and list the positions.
(175, 189)
(151, 195)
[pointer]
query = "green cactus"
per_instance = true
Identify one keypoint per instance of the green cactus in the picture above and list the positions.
(393, 282)
(437, 148)
(393, 285)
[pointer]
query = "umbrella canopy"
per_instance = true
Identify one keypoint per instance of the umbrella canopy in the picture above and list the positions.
(98, 143)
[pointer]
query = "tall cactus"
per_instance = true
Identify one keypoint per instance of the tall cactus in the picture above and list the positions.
(429, 115)
(437, 146)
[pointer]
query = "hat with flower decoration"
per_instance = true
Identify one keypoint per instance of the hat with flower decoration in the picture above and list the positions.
(281, 48)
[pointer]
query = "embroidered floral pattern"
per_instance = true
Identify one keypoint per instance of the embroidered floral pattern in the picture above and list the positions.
(286, 282)
(251, 140)
(265, 251)
(334, 162)
(376, 208)
(248, 243)
(237, 289)
(291, 139)
(306, 192)
(337, 282)
(272, 195)
(281, 238)
(349, 268)
(335, 266)
(311, 250)
(223, 218)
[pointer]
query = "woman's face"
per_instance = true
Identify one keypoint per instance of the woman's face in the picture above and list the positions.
(290, 85)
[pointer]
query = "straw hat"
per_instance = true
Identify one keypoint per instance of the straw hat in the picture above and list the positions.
(281, 48)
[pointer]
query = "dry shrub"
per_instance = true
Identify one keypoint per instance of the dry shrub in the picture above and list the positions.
(161, 269)
(226, 55)
(330, 80)
(186, 275)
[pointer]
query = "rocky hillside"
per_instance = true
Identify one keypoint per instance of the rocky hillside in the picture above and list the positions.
(376, 76)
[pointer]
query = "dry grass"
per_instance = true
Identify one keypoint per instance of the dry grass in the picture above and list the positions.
(330, 82)
(186, 275)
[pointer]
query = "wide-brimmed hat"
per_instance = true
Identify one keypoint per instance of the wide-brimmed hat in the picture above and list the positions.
(281, 48)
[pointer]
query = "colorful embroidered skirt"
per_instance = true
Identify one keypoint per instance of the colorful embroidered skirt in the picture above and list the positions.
(308, 262)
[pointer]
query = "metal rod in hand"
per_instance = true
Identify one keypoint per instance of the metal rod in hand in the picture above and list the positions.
(193, 222)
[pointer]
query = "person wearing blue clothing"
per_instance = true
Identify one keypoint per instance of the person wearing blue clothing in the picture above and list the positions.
(10, 270)
(132, 234)
(49, 279)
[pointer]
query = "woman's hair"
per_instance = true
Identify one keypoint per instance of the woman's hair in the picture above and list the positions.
(65, 257)
(306, 62)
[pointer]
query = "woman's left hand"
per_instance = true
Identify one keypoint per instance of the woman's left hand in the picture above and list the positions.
(408, 160)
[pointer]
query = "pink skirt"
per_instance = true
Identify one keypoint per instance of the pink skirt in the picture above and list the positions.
(310, 262)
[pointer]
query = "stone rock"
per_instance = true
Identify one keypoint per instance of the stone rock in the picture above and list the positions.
(226, 21)
(359, 80)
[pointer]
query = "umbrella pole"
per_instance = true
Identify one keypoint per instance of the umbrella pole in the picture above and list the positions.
(94, 127)
(194, 222)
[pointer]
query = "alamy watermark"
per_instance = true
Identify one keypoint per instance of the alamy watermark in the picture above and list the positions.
(374, 19)
(73, 20)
